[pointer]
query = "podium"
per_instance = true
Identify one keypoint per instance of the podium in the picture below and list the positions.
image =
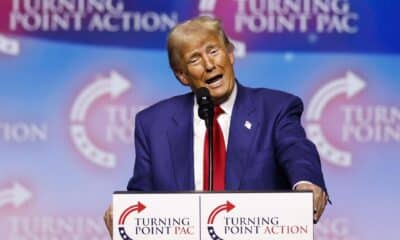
(213, 216)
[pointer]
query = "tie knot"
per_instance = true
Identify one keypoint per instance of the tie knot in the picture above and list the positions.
(217, 111)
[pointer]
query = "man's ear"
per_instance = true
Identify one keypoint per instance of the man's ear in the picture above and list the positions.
(231, 56)
(181, 76)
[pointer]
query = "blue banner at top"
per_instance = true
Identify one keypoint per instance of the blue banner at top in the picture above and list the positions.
(253, 25)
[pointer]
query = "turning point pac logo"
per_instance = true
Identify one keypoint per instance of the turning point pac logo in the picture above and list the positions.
(153, 223)
(113, 85)
(250, 22)
(121, 228)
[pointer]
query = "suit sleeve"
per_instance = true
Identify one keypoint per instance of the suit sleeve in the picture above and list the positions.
(297, 155)
(142, 177)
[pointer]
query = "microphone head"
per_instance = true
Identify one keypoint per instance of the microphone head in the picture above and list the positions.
(202, 95)
(205, 103)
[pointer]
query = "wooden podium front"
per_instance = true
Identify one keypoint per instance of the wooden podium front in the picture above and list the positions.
(211, 216)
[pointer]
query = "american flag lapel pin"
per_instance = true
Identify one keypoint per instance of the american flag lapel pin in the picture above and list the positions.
(247, 124)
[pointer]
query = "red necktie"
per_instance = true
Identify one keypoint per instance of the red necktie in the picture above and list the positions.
(219, 155)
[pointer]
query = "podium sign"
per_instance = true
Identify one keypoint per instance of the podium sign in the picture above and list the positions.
(156, 216)
(212, 216)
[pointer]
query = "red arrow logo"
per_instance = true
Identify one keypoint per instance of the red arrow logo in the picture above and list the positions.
(138, 207)
(228, 206)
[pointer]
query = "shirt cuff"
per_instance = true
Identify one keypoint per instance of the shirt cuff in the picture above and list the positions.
(299, 182)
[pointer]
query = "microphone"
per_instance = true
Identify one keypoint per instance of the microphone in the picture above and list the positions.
(206, 112)
(206, 105)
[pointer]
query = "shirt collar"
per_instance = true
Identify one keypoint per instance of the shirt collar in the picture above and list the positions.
(227, 106)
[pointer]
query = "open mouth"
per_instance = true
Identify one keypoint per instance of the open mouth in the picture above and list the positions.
(214, 79)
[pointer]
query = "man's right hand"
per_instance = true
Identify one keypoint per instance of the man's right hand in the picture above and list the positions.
(108, 219)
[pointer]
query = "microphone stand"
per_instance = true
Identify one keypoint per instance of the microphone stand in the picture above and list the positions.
(209, 125)
(206, 112)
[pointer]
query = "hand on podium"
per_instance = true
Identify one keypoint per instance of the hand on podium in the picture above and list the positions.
(319, 195)
(108, 220)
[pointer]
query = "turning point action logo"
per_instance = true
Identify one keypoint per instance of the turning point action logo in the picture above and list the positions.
(224, 207)
(113, 85)
(86, 15)
(257, 226)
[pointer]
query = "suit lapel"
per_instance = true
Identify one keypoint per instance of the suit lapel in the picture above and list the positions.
(180, 137)
(244, 125)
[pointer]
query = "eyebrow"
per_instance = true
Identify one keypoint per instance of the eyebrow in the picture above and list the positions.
(207, 48)
(194, 54)
(211, 46)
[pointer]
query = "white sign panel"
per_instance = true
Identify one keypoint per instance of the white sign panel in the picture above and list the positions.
(156, 216)
(213, 216)
(272, 216)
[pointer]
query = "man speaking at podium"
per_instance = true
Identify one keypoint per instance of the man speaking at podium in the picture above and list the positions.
(259, 143)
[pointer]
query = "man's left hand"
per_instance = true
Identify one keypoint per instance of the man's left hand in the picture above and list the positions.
(320, 198)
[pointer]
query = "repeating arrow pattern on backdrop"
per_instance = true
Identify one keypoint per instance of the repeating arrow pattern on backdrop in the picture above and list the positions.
(17, 195)
(114, 85)
(350, 85)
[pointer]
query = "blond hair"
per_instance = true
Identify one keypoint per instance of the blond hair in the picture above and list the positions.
(188, 29)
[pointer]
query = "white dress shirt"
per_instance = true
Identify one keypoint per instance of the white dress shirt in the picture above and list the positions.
(199, 130)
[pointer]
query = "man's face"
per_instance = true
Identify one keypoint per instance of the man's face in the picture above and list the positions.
(206, 62)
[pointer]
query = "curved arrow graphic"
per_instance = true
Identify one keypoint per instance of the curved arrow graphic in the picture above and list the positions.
(325, 149)
(89, 150)
(350, 85)
(228, 206)
(17, 195)
(137, 207)
(121, 229)
(210, 228)
(114, 85)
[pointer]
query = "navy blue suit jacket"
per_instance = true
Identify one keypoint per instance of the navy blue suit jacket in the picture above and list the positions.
(274, 154)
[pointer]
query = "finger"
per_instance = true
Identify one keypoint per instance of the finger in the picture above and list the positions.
(320, 206)
(110, 224)
(318, 199)
(108, 219)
